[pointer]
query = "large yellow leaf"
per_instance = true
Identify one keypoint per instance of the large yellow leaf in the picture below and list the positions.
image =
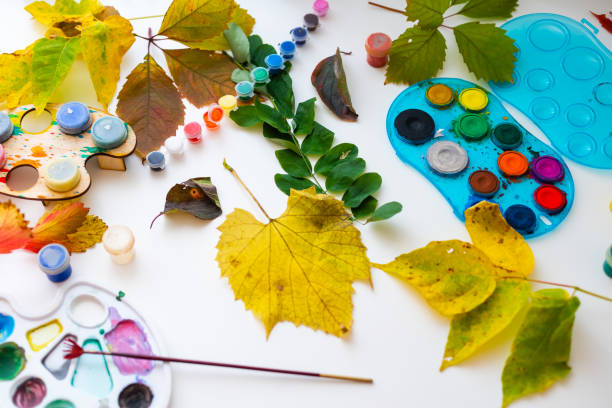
(492, 235)
(103, 45)
(197, 20)
(62, 10)
(299, 267)
(14, 231)
(453, 276)
(241, 17)
(16, 77)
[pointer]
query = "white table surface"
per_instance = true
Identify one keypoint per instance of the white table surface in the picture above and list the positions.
(396, 338)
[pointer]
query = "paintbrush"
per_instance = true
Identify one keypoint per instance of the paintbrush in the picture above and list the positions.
(73, 350)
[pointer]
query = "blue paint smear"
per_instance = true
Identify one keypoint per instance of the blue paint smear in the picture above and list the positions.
(7, 326)
(91, 373)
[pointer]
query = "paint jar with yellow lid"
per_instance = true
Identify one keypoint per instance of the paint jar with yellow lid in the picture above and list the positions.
(118, 240)
(473, 99)
(62, 175)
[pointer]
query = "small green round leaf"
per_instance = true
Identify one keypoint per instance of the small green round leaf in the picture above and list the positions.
(293, 163)
(366, 185)
(285, 183)
(338, 154)
(304, 117)
(343, 175)
(366, 208)
(245, 116)
(385, 211)
(318, 141)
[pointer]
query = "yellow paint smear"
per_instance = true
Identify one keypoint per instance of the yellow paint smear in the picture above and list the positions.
(40, 337)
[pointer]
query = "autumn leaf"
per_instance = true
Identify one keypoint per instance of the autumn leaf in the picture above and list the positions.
(151, 104)
(16, 77)
(14, 231)
(329, 79)
(299, 267)
(541, 349)
(104, 43)
(62, 10)
(427, 12)
(68, 224)
(197, 20)
(201, 76)
(218, 43)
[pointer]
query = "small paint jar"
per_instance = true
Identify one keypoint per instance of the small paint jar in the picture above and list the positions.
(607, 266)
(415, 126)
(472, 127)
(311, 21)
(473, 99)
(320, 7)
(377, 46)
(287, 49)
(6, 127)
(275, 64)
(62, 175)
(156, 161)
(512, 163)
(299, 35)
(3, 158)
(547, 169)
(550, 198)
(213, 116)
(109, 132)
(245, 90)
(54, 260)
(507, 136)
(228, 103)
(521, 218)
(483, 183)
(175, 145)
(73, 118)
(440, 96)
(447, 158)
(193, 132)
(260, 76)
(118, 241)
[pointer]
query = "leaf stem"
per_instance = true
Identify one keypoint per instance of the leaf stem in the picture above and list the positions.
(563, 285)
(143, 18)
(235, 62)
(237, 177)
(445, 26)
(386, 7)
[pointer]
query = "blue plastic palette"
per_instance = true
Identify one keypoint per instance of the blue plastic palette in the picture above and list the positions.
(482, 155)
(563, 83)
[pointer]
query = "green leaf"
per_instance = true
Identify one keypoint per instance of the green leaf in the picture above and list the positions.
(416, 55)
(260, 54)
(343, 175)
(367, 184)
(366, 208)
(271, 116)
(280, 89)
(283, 139)
(239, 75)
(304, 117)
(470, 331)
(427, 12)
(285, 183)
(541, 349)
(385, 211)
(254, 42)
(329, 79)
(489, 8)
(318, 141)
(51, 62)
(238, 42)
(196, 20)
(338, 154)
(293, 163)
(245, 116)
(487, 51)
(455, 2)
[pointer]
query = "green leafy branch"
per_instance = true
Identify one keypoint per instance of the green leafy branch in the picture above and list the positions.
(419, 52)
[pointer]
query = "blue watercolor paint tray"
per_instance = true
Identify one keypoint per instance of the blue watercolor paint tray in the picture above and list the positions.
(563, 83)
(482, 155)
(94, 318)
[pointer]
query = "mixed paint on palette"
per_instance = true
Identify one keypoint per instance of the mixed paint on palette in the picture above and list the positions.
(34, 373)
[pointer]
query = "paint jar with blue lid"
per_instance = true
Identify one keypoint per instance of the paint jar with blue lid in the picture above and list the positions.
(54, 260)
(73, 118)
(287, 49)
(299, 36)
(156, 160)
(245, 90)
(109, 132)
(521, 218)
(6, 127)
(260, 76)
(275, 64)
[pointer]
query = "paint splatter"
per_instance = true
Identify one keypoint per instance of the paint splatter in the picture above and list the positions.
(12, 361)
(7, 325)
(39, 337)
(120, 295)
(38, 151)
(60, 404)
(27, 162)
(128, 337)
(91, 373)
(135, 395)
(30, 393)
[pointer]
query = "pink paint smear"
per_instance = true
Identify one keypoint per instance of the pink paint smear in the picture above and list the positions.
(128, 337)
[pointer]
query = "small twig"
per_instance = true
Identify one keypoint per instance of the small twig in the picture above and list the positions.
(346, 52)
(155, 219)
(387, 7)
(562, 285)
(450, 15)
(141, 36)
(231, 170)
(143, 18)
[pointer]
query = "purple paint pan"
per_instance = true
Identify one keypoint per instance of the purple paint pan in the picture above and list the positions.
(547, 169)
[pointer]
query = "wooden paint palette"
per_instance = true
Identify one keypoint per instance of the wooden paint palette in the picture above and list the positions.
(39, 149)
(33, 371)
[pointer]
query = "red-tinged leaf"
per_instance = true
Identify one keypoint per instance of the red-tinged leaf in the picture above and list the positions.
(330, 81)
(14, 231)
(202, 76)
(151, 104)
(605, 22)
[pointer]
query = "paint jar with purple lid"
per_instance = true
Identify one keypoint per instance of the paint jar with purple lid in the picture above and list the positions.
(299, 36)
(547, 169)
(54, 260)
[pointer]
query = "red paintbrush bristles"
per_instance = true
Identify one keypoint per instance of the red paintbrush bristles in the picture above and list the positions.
(72, 349)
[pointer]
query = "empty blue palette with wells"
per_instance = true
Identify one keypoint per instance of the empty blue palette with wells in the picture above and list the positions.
(563, 83)
(462, 139)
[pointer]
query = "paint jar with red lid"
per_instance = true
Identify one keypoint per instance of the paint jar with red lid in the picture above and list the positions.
(377, 46)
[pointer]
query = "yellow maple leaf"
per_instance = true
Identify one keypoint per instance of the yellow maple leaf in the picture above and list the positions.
(299, 267)
(16, 77)
(62, 10)
(14, 231)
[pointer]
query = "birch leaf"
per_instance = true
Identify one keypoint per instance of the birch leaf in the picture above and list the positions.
(196, 20)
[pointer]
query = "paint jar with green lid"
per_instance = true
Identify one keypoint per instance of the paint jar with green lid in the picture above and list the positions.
(260, 76)
(472, 126)
(244, 90)
(507, 136)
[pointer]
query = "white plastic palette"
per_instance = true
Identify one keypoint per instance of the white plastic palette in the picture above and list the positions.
(97, 320)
